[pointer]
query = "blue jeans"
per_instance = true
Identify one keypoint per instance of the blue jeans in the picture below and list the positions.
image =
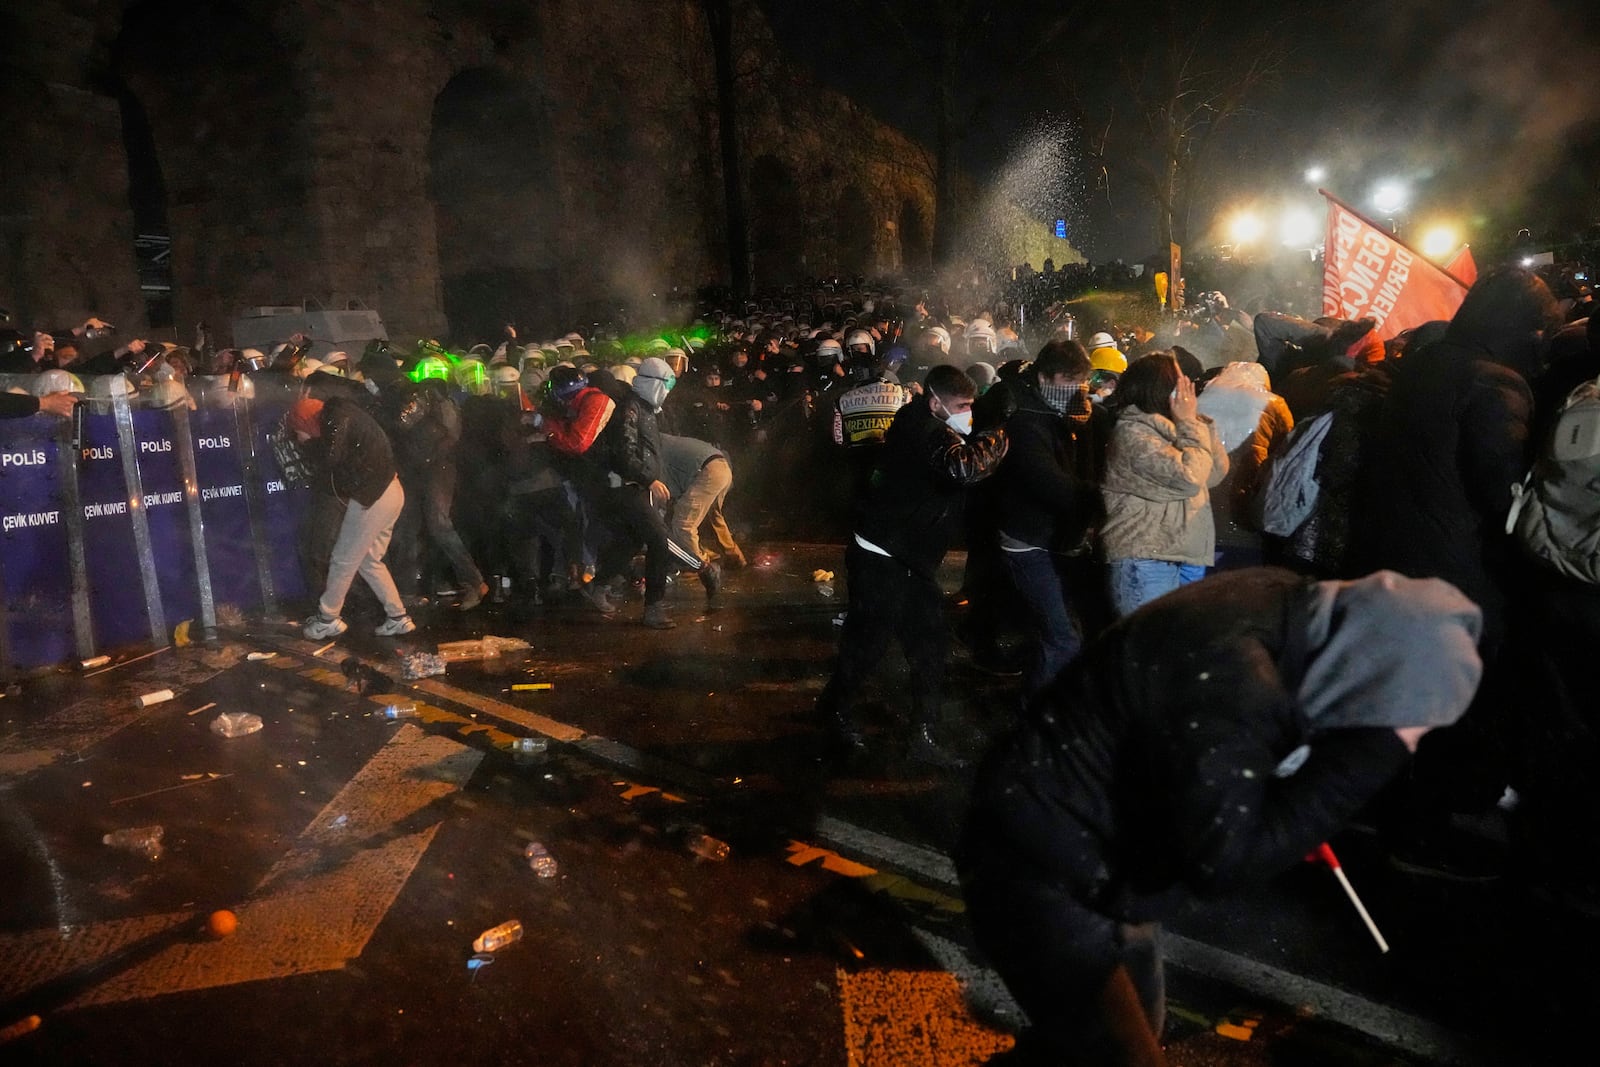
(1138, 581)
(1041, 582)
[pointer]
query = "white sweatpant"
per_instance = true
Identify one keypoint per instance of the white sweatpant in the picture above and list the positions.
(363, 539)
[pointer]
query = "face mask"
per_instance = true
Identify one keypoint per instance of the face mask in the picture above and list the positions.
(961, 424)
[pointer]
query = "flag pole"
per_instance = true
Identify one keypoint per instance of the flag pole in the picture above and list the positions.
(1393, 237)
(1326, 855)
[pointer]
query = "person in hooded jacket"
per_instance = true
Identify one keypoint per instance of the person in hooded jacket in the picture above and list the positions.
(1451, 439)
(1205, 743)
(1249, 417)
(631, 448)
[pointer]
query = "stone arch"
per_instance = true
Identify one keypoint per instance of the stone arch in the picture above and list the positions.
(916, 246)
(777, 224)
(228, 128)
(147, 200)
(855, 228)
(498, 218)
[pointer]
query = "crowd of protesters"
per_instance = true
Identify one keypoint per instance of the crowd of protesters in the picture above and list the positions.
(1096, 477)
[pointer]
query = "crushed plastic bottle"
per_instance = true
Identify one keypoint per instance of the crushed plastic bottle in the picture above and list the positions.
(540, 861)
(236, 724)
(420, 665)
(825, 588)
(142, 839)
(531, 746)
(498, 937)
(393, 712)
(707, 847)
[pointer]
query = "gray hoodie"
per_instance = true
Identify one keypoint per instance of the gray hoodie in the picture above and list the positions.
(1386, 650)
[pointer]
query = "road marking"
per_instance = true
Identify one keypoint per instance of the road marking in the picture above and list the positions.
(313, 911)
(911, 1017)
(801, 854)
(1398, 1029)
(522, 717)
(72, 729)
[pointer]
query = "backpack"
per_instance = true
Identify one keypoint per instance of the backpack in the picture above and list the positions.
(293, 467)
(1555, 512)
(1288, 488)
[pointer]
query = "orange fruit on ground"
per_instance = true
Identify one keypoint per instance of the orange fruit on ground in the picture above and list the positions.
(222, 924)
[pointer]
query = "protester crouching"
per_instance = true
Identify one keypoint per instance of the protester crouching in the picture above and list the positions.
(349, 452)
(1203, 744)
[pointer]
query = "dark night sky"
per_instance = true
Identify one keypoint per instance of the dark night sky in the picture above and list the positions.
(1479, 107)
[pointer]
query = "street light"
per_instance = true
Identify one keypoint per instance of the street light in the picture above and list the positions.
(1440, 241)
(1298, 228)
(1389, 197)
(1246, 228)
(1316, 174)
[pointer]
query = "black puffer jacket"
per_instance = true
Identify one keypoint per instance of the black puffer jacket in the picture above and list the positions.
(916, 488)
(1149, 766)
(1451, 440)
(630, 445)
(359, 459)
(1049, 484)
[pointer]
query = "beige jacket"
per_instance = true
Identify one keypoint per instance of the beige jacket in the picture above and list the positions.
(1157, 488)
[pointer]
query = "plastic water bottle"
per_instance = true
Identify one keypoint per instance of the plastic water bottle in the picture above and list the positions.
(393, 712)
(141, 839)
(707, 847)
(540, 861)
(530, 746)
(498, 937)
(825, 588)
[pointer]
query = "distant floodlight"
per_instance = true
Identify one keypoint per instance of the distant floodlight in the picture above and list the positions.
(1389, 197)
(1298, 228)
(1527, 261)
(1245, 228)
(1315, 175)
(1440, 241)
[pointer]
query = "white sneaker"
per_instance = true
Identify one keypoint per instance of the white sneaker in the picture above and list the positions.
(394, 627)
(320, 626)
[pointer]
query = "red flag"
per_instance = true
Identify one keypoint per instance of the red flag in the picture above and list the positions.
(1369, 273)
(1463, 266)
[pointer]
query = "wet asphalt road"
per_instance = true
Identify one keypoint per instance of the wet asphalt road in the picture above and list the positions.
(362, 857)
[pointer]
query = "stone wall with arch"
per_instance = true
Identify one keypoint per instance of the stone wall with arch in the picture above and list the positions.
(298, 158)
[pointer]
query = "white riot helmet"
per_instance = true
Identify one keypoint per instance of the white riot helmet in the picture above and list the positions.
(861, 337)
(940, 337)
(829, 351)
(56, 381)
(980, 337)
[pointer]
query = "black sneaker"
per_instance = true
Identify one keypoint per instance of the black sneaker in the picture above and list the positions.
(658, 617)
(711, 578)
